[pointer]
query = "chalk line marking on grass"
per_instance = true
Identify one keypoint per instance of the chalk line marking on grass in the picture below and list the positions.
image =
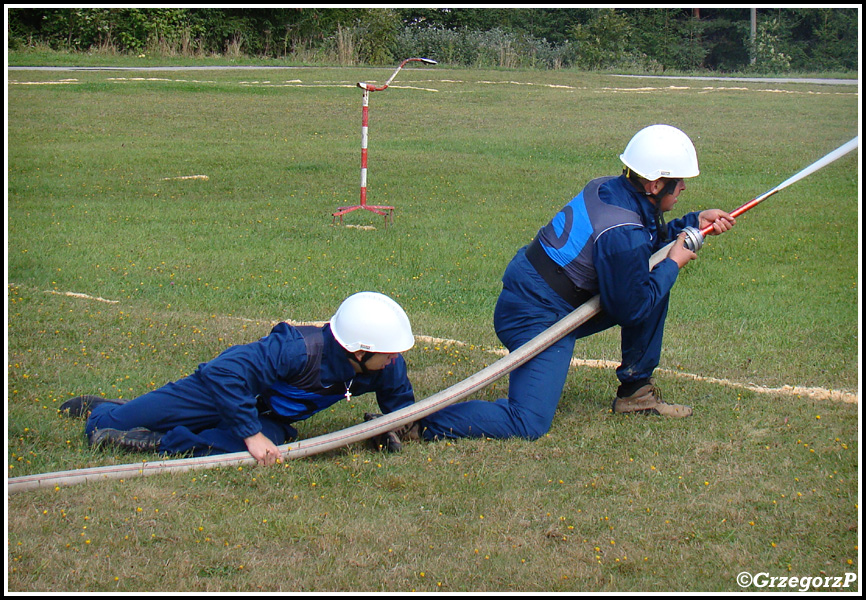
(640, 90)
(61, 82)
(785, 390)
(268, 82)
(412, 87)
(183, 177)
(290, 81)
(549, 85)
(307, 85)
(298, 84)
(85, 296)
(165, 79)
(819, 81)
(708, 89)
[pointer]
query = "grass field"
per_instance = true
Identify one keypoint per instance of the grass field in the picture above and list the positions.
(153, 219)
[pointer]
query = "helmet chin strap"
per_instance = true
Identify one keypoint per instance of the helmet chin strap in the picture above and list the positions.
(669, 188)
(362, 364)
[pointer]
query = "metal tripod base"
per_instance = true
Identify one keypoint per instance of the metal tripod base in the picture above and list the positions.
(385, 211)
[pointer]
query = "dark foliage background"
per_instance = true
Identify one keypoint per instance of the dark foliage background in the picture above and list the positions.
(649, 39)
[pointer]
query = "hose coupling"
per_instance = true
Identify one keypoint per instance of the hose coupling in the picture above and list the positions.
(694, 238)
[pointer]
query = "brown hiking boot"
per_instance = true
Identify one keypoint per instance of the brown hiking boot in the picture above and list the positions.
(648, 401)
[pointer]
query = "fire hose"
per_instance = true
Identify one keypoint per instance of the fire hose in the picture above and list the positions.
(404, 416)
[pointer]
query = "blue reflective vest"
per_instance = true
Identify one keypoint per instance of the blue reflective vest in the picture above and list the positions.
(569, 237)
(304, 395)
(326, 373)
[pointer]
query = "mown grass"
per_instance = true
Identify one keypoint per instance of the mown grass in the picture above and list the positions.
(754, 482)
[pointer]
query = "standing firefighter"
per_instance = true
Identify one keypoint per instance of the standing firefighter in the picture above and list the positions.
(599, 243)
(248, 397)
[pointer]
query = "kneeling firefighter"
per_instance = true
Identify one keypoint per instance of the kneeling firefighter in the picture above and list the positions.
(600, 243)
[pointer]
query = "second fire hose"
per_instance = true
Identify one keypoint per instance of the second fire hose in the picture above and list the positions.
(406, 415)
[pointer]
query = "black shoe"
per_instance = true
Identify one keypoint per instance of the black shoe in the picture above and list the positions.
(392, 441)
(137, 440)
(81, 405)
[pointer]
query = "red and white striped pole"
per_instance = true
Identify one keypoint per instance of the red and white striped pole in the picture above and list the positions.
(365, 127)
(386, 211)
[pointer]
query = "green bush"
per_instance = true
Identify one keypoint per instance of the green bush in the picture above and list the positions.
(803, 39)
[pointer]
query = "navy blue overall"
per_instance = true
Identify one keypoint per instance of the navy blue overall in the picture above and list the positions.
(602, 241)
(285, 377)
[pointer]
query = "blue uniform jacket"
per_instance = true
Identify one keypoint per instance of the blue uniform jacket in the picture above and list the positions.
(629, 290)
(236, 377)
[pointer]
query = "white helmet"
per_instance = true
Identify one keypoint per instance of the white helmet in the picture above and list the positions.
(661, 151)
(373, 322)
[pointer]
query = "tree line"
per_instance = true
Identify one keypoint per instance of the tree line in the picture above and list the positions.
(645, 39)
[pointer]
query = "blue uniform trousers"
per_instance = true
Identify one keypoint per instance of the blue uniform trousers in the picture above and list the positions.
(185, 412)
(526, 307)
